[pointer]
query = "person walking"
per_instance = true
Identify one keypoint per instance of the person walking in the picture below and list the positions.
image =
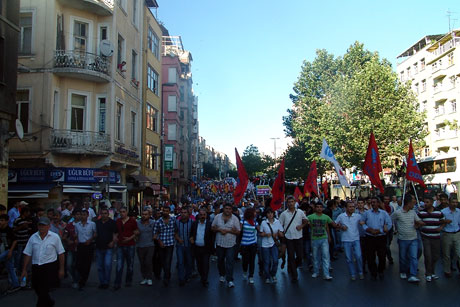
(70, 241)
(106, 239)
(127, 231)
(86, 232)
(293, 220)
(164, 232)
(183, 229)
(320, 238)
(271, 231)
(431, 236)
(450, 237)
(7, 245)
(249, 229)
(145, 247)
(44, 249)
(376, 223)
(227, 228)
(201, 237)
(349, 223)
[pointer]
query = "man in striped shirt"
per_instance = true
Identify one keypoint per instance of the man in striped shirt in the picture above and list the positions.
(431, 236)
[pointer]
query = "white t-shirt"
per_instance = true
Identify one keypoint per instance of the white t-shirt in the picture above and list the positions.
(276, 226)
(450, 188)
(46, 250)
(285, 218)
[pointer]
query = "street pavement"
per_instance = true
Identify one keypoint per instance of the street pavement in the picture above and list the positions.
(307, 292)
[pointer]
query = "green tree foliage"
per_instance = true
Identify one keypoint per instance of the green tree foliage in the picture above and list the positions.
(344, 99)
(252, 160)
(210, 171)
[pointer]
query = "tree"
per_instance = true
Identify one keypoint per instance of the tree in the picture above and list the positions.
(210, 171)
(344, 99)
(296, 165)
(252, 161)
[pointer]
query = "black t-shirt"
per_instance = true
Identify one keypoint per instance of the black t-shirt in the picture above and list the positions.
(24, 234)
(6, 237)
(105, 233)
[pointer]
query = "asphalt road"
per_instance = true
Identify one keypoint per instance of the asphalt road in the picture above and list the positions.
(307, 292)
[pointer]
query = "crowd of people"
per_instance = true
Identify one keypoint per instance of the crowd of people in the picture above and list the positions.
(63, 242)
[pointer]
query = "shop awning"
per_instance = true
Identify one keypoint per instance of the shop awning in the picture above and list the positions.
(29, 190)
(89, 189)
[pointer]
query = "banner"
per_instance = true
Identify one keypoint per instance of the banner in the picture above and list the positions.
(326, 153)
(242, 178)
(412, 171)
(278, 189)
(372, 166)
(311, 185)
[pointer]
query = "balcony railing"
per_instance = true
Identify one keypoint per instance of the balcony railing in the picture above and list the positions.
(71, 141)
(81, 61)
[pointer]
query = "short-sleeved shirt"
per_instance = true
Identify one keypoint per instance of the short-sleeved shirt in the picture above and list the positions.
(126, 230)
(23, 235)
(145, 233)
(405, 224)
(6, 238)
(105, 232)
(432, 222)
(46, 250)
(229, 239)
(285, 218)
(85, 231)
(318, 224)
(352, 222)
(72, 236)
(249, 233)
(165, 231)
(276, 226)
(13, 214)
(454, 226)
(184, 230)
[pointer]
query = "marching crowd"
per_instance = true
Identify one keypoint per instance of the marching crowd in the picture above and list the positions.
(58, 243)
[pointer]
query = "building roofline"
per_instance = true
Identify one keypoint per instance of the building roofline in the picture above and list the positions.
(420, 44)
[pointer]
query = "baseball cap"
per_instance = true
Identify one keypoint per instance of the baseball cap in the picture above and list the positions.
(44, 221)
(23, 203)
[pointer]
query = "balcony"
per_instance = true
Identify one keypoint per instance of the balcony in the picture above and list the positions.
(81, 65)
(80, 142)
(98, 7)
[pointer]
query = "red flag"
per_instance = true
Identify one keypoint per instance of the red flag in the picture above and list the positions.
(412, 171)
(278, 189)
(372, 166)
(297, 194)
(311, 186)
(243, 180)
(325, 187)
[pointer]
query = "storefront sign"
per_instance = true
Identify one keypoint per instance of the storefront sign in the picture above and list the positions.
(68, 175)
(169, 153)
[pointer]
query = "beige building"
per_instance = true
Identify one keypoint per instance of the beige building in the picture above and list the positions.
(432, 66)
(79, 99)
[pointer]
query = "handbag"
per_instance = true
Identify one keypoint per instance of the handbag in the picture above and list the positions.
(287, 228)
(277, 242)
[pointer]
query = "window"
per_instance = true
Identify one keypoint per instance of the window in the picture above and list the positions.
(121, 53)
(172, 103)
(2, 59)
(77, 113)
(423, 85)
(453, 106)
(154, 43)
(181, 92)
(427, 151)
(134, 66)
(102, 114)
(103, 33)
(80, 34)
(56, 110)
(409, 75)
(172, 132)
(415, 68)
(401, 76)
(22, 108)
(152, 79)
(133, 129)
(25, 33)
(151, 152)
(422, 64)
(118, 122)
(416, 88)
(152, 118)
(60, 38)
(450, 58)
(134, 12)
(172, 75)
(423, 106)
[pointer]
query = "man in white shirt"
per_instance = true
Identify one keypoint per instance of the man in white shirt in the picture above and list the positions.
(43, 249)
(450, 188)
(293, 221)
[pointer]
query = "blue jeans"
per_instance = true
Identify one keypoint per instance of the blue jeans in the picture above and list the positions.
(408, 261)
(353, 249)
(104, 265)
(125, 253)
(184, 262)
(307, 249)
(12, 278)
(71, 263)
(225, 259)
(270, 256)
(322, 246)
(18, 257)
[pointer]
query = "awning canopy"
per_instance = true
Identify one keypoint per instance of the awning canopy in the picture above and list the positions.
(89, 189)
(29, 190)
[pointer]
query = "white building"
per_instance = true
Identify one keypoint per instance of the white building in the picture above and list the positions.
(432, 65)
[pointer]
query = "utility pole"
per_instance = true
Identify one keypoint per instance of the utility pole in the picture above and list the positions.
(274, 145)
(449, 14)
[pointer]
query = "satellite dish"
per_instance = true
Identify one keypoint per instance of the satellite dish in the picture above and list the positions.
(106, 47)
(19, 129)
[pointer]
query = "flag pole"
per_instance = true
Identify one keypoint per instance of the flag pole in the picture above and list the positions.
(404, 191)
(415, 191)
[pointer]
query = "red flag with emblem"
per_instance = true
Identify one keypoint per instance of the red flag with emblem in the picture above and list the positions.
(325, 187)
(297, 194)
(278, 189)
(372, 166)
(412, 170)
(311, 186)
(238, 193)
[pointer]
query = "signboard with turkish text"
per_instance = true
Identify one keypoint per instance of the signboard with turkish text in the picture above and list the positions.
(68, 175)
(263, 190)
(169, 152)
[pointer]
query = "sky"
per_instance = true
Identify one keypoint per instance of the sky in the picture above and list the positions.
(247, 54)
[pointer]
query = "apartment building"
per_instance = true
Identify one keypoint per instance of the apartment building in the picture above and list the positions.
(9, 30)
(79, 99)
(432, 66)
